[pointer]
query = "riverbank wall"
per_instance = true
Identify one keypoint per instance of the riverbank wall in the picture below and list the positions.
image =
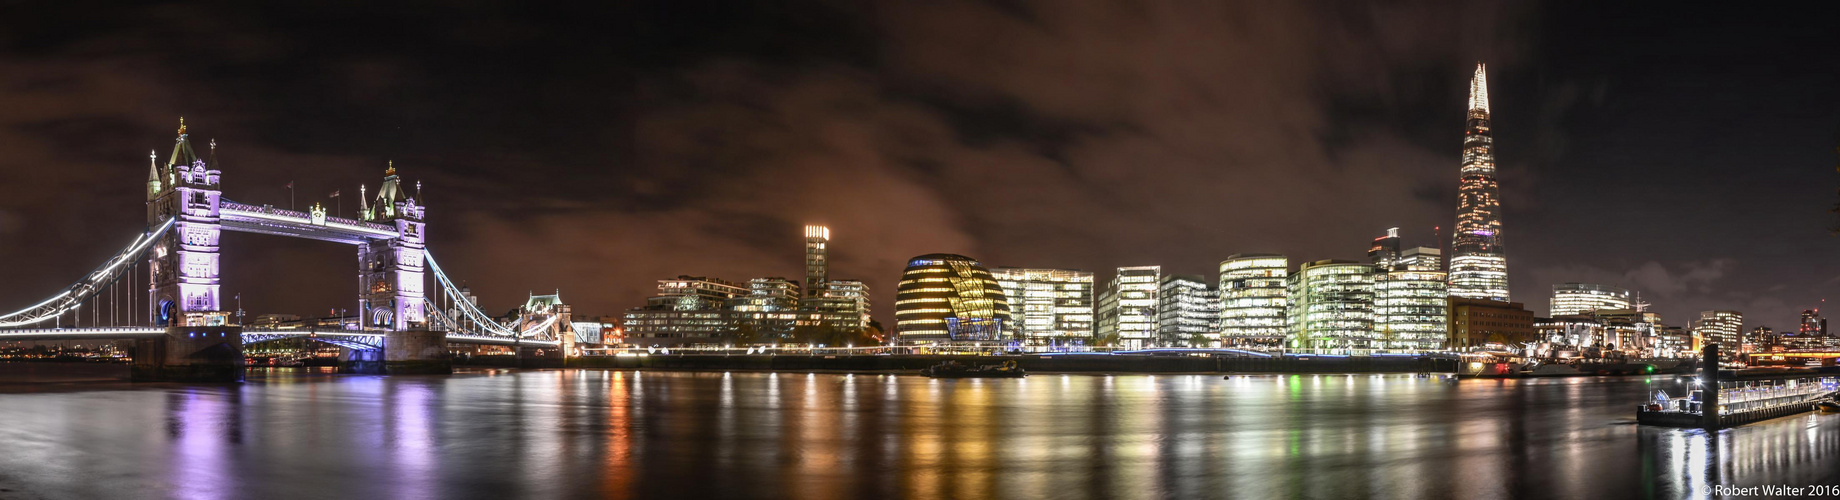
(1070, 363)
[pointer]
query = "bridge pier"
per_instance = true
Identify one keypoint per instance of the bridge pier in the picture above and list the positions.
(416, 352)
(408, 352)
(190, 354)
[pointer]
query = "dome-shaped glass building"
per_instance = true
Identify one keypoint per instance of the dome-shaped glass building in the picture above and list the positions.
(949, 298)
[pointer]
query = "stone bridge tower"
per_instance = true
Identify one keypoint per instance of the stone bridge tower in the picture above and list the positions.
(184, 263)
(391, 271)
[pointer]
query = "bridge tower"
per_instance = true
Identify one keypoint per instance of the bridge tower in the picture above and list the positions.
(391, 271)
(199, 344)
(184, 263)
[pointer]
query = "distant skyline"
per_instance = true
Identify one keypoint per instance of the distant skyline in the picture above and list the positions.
(1689, 156)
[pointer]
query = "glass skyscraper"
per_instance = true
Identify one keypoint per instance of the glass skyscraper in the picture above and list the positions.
(1478, 266)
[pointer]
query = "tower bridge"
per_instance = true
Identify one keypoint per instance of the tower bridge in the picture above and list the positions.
(163, 290)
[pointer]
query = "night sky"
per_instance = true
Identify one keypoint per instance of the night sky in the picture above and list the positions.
(1684, 152)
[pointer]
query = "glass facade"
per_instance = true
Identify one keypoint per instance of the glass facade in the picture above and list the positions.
(1253, 297)
(1478, 265)
(1412, 301)
(1049, 306)
(1133, 305)
(1583, 298)
(1332, 306)
(1188, 312)
(946, 298)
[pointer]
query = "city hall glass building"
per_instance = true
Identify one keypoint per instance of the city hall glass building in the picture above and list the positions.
(946, 298)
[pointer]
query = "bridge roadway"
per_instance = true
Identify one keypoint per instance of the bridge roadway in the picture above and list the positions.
(371, 338)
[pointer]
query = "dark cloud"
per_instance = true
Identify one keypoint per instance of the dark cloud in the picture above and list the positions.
(594, 151)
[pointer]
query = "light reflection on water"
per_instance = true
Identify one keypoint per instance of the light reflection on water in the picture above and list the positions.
(569, 433)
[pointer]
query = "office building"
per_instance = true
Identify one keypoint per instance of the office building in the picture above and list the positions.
(948, 299)
(1188, 312)
(1253, 294)
(817, 259)
(1132, 299)
(1331, 306)
(1811, 333)
(1582, 298)
(1723, 327)
(1384, 253)
(1478, 264)
(1412, 301)
(1478, 324)
(1049, 306)
(687, 310)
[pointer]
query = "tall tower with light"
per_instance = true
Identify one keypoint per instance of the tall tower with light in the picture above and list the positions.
(1478, 264)
(817, 260)
(391, 272)
(184, 263)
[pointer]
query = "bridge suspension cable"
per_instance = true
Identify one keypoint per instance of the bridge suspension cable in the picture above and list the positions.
(473, 321)
(73, 297)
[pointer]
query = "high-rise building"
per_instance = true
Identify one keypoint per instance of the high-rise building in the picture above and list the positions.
(1582, 298)
(817, 259)
(1411, 302)
(1811, 334)
(1384, 254)
(1252, 299)
(1478, 265)
(1049, 306)
(1331, 306)
(1133, 317)
(1723, 327)
(1188, 312)
(945, 298)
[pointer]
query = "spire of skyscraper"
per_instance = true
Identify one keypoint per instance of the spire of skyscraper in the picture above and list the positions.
(1478, 266)
(1479, 89)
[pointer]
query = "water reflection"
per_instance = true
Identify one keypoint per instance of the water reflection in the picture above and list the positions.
(570, 433)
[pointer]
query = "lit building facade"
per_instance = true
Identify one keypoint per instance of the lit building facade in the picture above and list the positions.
(1723, 327)
(946, 298)
(1132, 316)
(1478, 264)
(843, 305)
(1253, 295)
(1811, 334)
(1384, 253)
(1188, 312)
(1331, 306)
(817, 259)
(1412, 301)
(1482, 323)
(688, 310)
(1583, 298)
(1049, 306)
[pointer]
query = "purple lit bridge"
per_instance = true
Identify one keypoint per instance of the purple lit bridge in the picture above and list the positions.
(162, 290)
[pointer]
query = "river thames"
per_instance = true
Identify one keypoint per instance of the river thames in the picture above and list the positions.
(615, 434)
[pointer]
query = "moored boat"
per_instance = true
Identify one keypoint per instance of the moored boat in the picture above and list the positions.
(954, 369)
